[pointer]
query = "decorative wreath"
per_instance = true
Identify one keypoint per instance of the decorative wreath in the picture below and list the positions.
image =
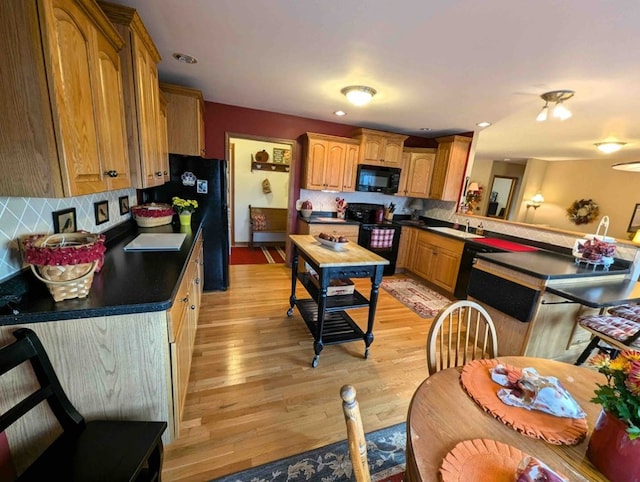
(584, 211)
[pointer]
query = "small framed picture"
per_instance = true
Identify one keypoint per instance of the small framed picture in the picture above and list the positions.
(101, 209)
(634, 224)
(123, 201)
(202, 186)
(64, 221)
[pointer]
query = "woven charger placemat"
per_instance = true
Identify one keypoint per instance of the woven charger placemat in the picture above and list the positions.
(481, 459)
(476, 380)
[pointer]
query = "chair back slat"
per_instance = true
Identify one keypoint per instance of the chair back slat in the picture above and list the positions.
(28, 348)
(355, 434)
(461, 332)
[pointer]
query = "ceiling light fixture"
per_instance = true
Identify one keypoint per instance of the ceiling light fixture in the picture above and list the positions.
(340, 113)
(633, 166)
(187, 59)
(559, 110)
(483, 124)
(359, 94)
(610, 147)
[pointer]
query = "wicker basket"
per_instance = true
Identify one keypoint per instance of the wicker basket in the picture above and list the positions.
(151, 221)
(70, 280)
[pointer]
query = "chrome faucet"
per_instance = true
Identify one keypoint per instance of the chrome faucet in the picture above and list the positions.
(467, 228)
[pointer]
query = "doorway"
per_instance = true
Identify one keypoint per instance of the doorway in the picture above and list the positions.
(261, 171)
(500, 196)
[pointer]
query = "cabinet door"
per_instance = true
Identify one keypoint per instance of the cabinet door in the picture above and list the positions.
(445, 269)
(148, 105)
(69, 41)
(350, 167)
(373, 150)
(423, 258)
(450, 163)
(164, 134)
(114, 154)
(406, 248)
(393, 152)
(404, 174)
(317, 153)
(186, 119)
(334, 166)
(419, 175)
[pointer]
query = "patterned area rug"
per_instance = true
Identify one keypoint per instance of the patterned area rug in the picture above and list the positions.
(385, 451)
(416, 296)
(257, 255)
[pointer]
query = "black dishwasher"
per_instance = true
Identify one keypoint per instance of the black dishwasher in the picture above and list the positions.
(469, 253)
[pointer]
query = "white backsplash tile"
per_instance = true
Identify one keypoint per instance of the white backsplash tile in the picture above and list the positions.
(21, 215)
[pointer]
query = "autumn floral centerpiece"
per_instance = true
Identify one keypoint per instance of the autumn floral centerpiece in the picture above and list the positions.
(621, 395)
(65, 262)
(152, 214)
(614, 446)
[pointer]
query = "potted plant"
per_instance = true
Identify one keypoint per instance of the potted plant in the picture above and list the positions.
(184, 208)
(614, 446)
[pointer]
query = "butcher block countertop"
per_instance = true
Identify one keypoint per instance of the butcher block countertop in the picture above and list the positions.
(325, 257)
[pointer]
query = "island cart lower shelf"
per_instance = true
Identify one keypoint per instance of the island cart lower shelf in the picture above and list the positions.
(325, 316)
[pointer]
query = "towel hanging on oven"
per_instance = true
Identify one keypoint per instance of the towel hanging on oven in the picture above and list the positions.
(382, 238)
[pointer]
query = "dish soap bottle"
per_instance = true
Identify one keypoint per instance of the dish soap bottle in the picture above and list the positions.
(455, 223)
(480, 229)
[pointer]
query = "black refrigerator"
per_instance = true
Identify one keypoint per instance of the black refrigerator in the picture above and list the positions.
(206, 181)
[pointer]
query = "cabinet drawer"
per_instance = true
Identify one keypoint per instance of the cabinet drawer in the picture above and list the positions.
(350, 231)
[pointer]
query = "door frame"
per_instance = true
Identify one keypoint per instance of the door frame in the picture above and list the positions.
(291, 205)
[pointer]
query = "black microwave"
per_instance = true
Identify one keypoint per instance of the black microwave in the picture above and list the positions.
(378, 179)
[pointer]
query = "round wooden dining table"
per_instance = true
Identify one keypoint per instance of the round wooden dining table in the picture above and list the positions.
(442, 414)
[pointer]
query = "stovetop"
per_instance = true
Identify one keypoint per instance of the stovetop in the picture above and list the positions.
(363, 212)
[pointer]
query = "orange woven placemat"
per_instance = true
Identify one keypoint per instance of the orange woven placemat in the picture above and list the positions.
(481, 459)
(476, 380)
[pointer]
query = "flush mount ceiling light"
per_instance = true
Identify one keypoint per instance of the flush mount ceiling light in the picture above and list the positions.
(627, 166)
(187, 59)
(359, 94)
(559, 110)
(609, 147)
(483, 124)
(340, 113)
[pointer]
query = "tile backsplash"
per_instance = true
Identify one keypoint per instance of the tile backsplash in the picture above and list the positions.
(22, 215)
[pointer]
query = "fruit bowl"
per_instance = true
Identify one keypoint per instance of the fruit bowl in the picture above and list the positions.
(332, 244)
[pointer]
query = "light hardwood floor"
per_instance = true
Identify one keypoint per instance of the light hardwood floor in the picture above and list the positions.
(253, 396)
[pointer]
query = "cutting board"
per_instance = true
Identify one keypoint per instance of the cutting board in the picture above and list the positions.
(156, 242)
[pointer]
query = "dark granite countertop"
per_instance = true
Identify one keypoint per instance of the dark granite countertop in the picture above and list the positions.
(129, 282)
(599, 295)
(550, 265)
(326, 218)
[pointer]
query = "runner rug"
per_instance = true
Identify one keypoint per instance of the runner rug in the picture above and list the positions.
(257, 255)
(416, 296)
(385, 452)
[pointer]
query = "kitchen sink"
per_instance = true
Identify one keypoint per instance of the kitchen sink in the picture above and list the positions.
(454, 232)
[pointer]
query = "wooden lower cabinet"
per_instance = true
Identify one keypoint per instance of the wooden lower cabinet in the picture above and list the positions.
(436, 259)
(132, 366)
(406, 248)
(350, 231)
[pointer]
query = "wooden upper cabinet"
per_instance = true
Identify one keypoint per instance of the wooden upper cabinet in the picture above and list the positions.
(59, 136)
(140, 60)
(329, 163)
(417, 169)
(380, 148)
(185, 115)
(450, 163)
(164, 135)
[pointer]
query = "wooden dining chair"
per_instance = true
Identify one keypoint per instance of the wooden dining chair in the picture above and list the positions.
(461, 332)
(99, 450)
(355, 434)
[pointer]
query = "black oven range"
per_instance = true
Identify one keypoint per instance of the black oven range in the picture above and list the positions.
(376, 235)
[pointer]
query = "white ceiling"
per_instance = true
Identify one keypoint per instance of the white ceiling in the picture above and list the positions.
(445, 65)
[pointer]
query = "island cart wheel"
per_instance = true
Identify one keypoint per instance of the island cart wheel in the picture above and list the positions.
(290, 312)
(366, 353)
(314, 363)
